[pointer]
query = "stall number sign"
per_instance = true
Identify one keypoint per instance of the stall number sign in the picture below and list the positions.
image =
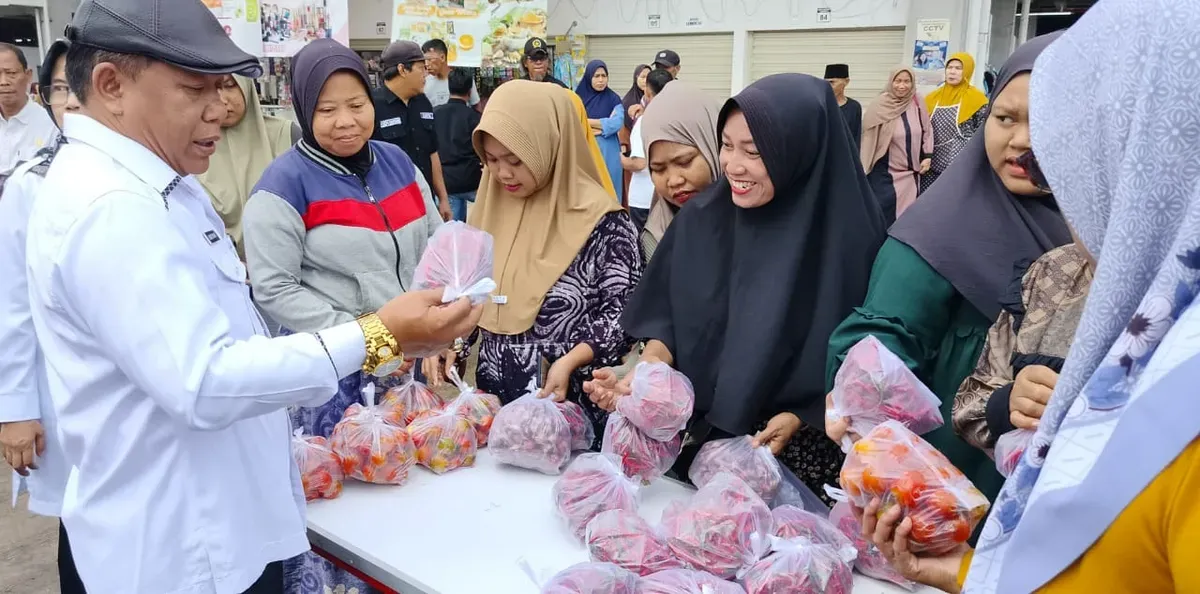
(380, 28)
(824, 15)
(653, 21)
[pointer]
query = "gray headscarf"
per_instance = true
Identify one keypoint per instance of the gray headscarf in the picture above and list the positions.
(970, 228)
(1124, 158)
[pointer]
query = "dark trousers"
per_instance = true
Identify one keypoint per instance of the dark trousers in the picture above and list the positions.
(270, 582)
(68, 577)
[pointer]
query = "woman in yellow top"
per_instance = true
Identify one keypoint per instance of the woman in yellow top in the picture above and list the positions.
(1105, 497)
(957, 110)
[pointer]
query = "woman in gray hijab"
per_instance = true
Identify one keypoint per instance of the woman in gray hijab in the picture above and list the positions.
(938, 279)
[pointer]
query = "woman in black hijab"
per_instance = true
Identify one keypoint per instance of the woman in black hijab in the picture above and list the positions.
(634, 96)
(753, 275)
(938, 280)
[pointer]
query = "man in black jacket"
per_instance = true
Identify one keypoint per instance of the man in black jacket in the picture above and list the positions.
(455, 122)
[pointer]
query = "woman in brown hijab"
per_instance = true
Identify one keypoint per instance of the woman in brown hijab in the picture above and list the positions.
(897, 144)
(679, 131)
(566, 254)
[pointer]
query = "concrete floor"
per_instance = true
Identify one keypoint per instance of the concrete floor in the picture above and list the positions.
(28, 546)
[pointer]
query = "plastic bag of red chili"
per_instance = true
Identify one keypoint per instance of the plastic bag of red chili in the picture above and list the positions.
(798, 566)
(477, 406)
(412, 398)
(582, 433)
(873, 385)
(870, 560)
(686, 581)
(321, 471)
(641, 457)
(725, 527)
(459, 258)
(592, 578)
(622, 537)
(532, 433)
(592, 484)
(660, 402)
(1009, 449)
(372, 449)
(793, 522)
(894, 464)
(737, 455)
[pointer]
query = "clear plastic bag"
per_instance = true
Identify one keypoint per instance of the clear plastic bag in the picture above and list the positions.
(623, 538)
(737, 455)
(412, 398)
(798, 566)
(532, 433)
(686, 581)
(321, 472)
(893, 463)
(477, 406)
(388, 412)
(793, 491)
(582, 433)
(660, 402)
(459, 258)
(725, 527)
(641, 457)
(372, 449)
(444, 440)
(1009, 449)
(870, 560)
(592, 578)
(592, 484)
(873, 385)
(793, 522)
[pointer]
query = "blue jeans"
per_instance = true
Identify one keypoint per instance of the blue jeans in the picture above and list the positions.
(458, 205)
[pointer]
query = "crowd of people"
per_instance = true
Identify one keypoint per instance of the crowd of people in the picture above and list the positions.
(184, 281)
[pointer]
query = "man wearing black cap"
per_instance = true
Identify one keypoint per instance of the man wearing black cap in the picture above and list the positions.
(838, 76)
(404, 115)
(27, 422)
(667, 60)
(536, 62)
(170, 397)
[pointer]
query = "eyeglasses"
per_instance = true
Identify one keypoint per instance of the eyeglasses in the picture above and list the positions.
(55, 95)
(1029, 163)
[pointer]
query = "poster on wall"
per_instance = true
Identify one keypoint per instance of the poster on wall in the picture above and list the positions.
(478, 33)
(930, 51)
(288, 25)
(240, 20)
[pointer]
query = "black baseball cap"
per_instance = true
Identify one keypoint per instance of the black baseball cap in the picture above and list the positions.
(401, 52)
(534, 46)
(183, 33)
(666, 58)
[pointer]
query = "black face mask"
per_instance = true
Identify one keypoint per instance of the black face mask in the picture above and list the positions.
(1029, 163)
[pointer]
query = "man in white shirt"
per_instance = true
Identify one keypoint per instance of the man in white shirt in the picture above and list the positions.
(27, 423)
(437, 74)
(170, 397)
(641, 188)
(24, 126)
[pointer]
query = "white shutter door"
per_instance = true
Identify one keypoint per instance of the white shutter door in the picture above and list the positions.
(871, 54)
(706, 60)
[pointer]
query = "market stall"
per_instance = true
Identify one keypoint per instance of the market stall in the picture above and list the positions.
(480, 529)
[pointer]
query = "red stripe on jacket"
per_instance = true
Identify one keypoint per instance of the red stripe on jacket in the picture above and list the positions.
(402, 207)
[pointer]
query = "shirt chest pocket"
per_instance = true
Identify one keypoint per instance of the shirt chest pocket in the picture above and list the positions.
(393, 130)
(228, 284)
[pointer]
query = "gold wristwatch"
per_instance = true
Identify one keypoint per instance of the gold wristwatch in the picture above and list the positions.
(384, 356)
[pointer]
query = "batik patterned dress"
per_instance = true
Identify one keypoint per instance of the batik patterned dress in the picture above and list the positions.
(584, 306)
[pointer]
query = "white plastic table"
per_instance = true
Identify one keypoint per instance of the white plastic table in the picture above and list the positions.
(468, 531)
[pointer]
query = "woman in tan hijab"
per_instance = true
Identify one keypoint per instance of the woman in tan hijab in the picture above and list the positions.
(897, 144)
(679, 131)
(566, 255)
(249, 142)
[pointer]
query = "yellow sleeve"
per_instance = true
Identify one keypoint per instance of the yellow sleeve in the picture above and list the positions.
(964, 567)
(1183, 521)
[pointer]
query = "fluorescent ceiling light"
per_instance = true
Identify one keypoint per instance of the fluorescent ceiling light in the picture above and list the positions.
(1063, 13)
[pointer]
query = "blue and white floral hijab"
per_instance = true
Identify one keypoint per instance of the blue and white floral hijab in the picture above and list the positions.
(1117, 133)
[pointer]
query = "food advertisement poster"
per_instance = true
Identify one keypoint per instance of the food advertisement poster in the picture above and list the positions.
(478, 33)
(240, 20)
(289, 25)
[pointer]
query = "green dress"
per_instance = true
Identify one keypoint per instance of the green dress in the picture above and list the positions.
(918, 315)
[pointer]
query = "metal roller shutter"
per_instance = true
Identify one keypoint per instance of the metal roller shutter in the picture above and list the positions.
(871, 54)
(707, 59)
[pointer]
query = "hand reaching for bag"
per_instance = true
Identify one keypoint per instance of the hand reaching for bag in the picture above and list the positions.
(890, 533)
(605, 388)
(424, 326)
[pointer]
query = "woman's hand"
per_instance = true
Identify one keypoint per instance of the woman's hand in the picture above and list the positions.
(1030, 393)
(558, 379)
(778, 432)
(435, 372)
(837, 427)
(926, 164)
(891, 536)
(635, 110)
(604, 389)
